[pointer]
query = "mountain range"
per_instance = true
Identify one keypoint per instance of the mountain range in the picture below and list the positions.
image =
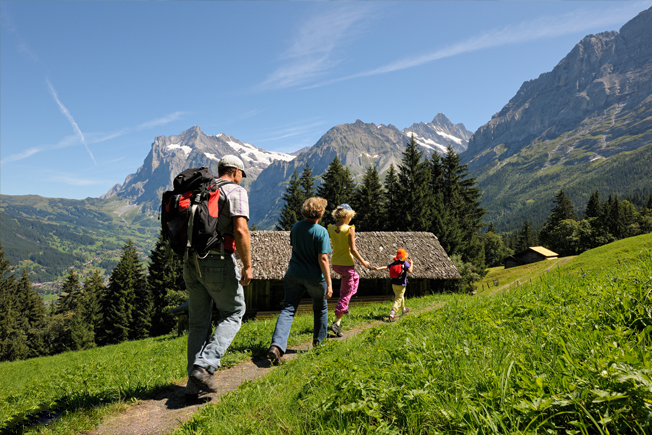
(357, 145)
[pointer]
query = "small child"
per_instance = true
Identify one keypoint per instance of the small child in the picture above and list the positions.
(343, 239)
(399, 283)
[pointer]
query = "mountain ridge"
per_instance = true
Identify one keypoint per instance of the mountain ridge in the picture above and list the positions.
(594, 105)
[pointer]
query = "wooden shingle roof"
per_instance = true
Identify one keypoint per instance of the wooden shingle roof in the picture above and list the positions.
(271, 252)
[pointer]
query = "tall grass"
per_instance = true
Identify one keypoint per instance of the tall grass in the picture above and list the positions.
(567, 354)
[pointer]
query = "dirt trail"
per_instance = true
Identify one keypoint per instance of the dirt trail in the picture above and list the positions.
(164, 413)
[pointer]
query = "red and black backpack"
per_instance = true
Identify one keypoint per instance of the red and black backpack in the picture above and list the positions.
(189, 213)
(396, 269)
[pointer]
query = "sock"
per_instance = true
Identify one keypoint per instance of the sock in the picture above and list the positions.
(337, 322)
(391, 313)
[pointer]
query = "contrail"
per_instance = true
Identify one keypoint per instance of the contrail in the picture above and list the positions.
(70, 119)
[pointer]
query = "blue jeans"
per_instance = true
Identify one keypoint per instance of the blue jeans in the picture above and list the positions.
(218, 284)
(294, 290)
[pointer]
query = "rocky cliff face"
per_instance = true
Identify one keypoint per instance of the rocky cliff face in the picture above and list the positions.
(192, 148)
(585, 125)
(597, 100)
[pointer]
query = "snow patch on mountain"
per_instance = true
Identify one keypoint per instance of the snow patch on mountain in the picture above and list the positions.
(449, 137)
(212, 157)
(186, 149)
(253, 154)
(428, 143)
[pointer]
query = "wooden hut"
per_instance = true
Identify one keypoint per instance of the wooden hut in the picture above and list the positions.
(271, 252)
(530, 255)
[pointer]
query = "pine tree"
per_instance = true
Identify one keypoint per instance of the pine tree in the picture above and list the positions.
(464, 200)
(33, 313)
(336, 187)
(81, 333)
(293, 198)
(91, 302)
(369, 202)
(415, 200)
(392, 216)
(491, 228)
(70, 292)
(307, 183)
(562, 210)
(594, 206)
(121, 320)
(457, 217)
(165, 280)
(444, 223)
(527, 237)
(12, 338)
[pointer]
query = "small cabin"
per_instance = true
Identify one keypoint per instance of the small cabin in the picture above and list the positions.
(530, 255)
(271, 252)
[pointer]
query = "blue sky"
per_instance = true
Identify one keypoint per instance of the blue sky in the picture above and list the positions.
(85, 87)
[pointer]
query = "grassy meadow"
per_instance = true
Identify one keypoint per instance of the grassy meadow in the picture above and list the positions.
(565, 353)
(84, 387)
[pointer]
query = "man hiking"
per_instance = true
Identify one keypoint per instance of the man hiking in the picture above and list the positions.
(216, 279)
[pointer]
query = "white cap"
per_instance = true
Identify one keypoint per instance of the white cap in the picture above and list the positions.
(231, 161)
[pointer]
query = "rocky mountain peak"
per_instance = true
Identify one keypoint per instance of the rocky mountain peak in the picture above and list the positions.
(439, 134)
(191, 148)
(598, 83)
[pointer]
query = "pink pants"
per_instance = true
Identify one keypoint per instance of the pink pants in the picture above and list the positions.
(348, 288)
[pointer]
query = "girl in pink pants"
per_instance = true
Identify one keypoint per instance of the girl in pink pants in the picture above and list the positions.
(343, 239)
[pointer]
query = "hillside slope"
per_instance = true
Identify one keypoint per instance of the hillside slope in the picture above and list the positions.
(47, 236)
(564, 128)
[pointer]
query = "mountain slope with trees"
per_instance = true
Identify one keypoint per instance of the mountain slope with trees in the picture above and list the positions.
(587, 124)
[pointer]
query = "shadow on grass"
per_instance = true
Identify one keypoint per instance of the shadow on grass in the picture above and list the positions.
(46, 414)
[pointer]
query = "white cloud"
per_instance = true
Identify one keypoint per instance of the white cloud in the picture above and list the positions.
(291, 130)
(315, 48)
(64, 143)
(92, 138)
(76, 181)
(579, 20)
(160, 121)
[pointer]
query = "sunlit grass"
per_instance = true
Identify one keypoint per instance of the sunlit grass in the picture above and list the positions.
(85, 386)
(567, 354)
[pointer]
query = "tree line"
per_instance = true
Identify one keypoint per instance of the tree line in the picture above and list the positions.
(134, 305)
(604, 221)
(433, 194)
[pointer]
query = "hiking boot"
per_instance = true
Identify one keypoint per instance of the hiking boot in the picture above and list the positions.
(316, 343)
(337, 329)
(274, 355)
(203, 378)
(405, 311)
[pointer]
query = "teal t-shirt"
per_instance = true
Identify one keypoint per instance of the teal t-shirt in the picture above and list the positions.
(308, 240)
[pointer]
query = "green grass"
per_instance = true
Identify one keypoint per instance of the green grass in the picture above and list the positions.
(86, 386)
(499, 278)
(567, 354)
(626, 250)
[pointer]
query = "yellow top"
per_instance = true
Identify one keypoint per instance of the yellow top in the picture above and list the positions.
(340, 240)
